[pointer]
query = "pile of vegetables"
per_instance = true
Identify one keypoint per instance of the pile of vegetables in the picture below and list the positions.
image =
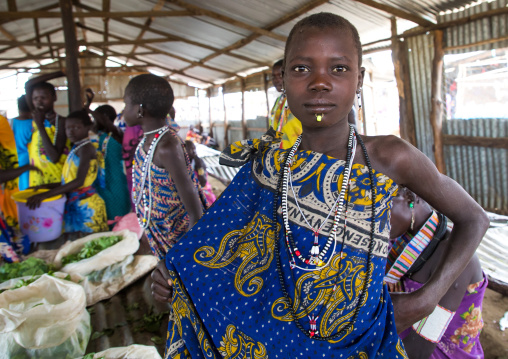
(91, 248)
(30, 267)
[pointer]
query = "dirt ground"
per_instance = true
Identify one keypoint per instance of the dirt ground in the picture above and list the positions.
(494, 341)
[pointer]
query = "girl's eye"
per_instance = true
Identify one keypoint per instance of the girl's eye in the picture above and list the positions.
(300, 68)
(340, 68)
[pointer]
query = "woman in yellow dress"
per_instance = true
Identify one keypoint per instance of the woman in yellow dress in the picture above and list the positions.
(85, 210)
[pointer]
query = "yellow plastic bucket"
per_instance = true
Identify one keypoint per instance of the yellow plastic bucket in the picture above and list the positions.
(42, 224)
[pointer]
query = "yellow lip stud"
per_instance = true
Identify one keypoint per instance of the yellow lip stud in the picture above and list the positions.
(319, 117)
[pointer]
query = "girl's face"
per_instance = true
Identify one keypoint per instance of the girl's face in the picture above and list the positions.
(75, 130)
(322, 75)
(130, 112)
(43, 100)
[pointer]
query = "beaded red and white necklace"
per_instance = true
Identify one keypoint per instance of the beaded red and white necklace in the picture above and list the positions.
(144, 215)
(316, 255)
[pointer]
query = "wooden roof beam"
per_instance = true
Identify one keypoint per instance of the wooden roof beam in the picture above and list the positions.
(84, 43)
(106, 14)
(32, 39)
(397, 12)
(148, 63)
(161, 52)
(196, 10)
(283, 20)
(178, 38)
(44, 8)
(8, 35)
(11, 5)
(146, 26)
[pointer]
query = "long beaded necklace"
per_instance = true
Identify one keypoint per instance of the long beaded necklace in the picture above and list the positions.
(145, 214)
(316, 256)
(312, 332)
(75, 149)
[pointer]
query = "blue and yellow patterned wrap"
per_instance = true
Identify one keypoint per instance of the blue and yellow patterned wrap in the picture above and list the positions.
(85, 210)
(227, 299)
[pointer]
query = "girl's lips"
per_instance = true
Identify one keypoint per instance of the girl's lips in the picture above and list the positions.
(321, 108)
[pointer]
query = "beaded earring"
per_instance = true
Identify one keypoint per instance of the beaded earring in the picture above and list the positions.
(140, 115)
(359, 97)
(412, 206)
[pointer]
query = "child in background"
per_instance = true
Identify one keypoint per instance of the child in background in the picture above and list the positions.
(22, 127)
(420, 239)
(114, 193)
(199, 167)
(85, 210)
(166, 193)
(48, 147)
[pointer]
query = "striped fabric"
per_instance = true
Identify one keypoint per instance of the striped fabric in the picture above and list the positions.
(407, 249)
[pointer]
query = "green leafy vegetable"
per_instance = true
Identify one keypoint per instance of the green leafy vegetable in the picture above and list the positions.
(30, 267)
(157, 340)
(92, 248)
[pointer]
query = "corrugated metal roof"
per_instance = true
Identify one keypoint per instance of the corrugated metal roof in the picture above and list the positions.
(252, 31)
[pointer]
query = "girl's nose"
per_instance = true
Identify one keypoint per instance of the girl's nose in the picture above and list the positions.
(320, 82)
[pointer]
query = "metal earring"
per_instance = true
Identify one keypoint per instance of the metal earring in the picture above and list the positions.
(359, 97)
(140, 115)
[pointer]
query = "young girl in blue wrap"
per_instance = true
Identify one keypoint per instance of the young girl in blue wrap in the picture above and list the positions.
(289, 262)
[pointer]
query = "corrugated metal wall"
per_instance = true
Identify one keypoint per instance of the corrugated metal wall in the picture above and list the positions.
(421, 53)
(482, 171)
(479, 30)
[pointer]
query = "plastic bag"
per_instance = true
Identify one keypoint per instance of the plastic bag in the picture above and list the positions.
(130, 222)
(134, 351)
(116, 253)
(46, 319)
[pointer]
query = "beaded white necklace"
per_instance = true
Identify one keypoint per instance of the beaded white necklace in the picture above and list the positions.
(144, 215)
(316, 256)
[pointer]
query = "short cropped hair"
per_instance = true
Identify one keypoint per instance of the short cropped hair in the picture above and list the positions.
(326, 20)
(108, 111)
(153, 92)
(44, 86)
(22, 104)
(278, 63)
(81, 115)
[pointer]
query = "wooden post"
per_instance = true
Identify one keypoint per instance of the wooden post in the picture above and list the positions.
(226, 126)
(265, 77)
(71, 58)
(436, 112)
(209, 94)
(244, 122)
(401, 66)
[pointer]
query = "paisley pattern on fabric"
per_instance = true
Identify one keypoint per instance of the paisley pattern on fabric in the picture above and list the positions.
(316, 288)
(85, 210)
(236, 344)
(253, 244)
(227, 285)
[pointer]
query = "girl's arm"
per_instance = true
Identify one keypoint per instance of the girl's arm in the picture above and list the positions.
(201, 169)
(10, 174)
(85, 154)
(169, 154)
(407, 166)
(53, 151)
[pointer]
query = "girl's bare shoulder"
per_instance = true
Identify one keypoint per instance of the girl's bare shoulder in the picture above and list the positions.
(391, 155)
